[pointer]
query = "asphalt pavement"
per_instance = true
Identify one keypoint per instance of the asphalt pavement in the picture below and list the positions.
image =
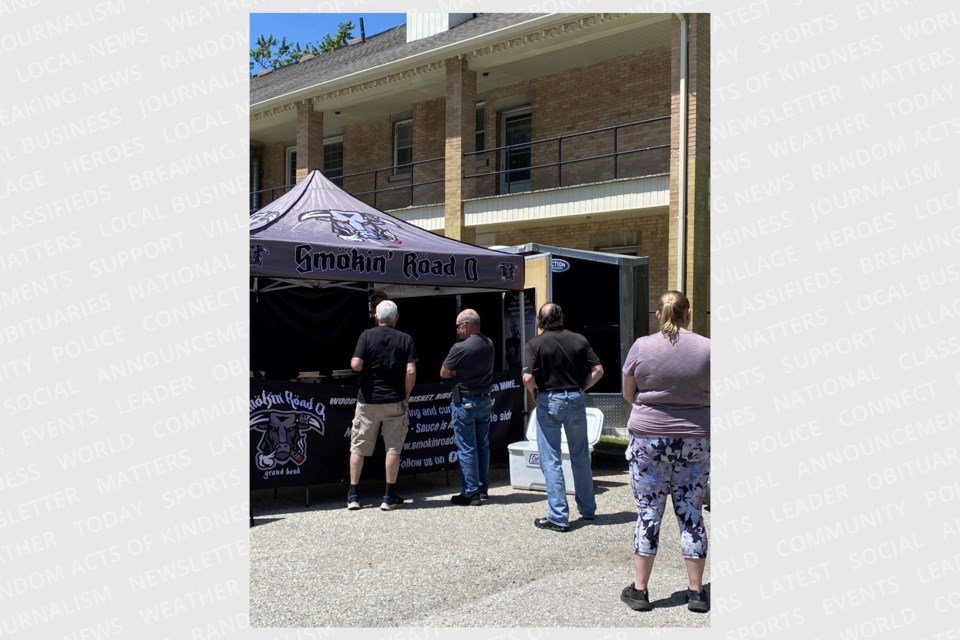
(434, 564)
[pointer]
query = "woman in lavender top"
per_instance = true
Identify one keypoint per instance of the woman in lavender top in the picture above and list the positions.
(666, 378)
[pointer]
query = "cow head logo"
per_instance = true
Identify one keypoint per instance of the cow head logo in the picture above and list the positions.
(355, 226)
(507, 270)
(257, 251)
(284, 437)
(261, 219)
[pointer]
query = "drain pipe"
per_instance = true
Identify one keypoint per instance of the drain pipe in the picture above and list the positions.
(682, 181)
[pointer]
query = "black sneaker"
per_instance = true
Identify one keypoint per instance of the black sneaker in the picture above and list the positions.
(391, 502)
(483, 495)
(636, 599)
(353, 503)
(698, 601)
(466, 500)
(543, 523)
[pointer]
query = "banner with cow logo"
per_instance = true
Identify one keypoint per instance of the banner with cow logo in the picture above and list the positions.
(300, 432)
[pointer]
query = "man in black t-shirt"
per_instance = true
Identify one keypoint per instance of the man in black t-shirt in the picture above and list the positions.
(386, 360)
(470, 362)
(558, 366)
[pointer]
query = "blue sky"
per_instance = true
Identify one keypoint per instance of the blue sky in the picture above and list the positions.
(311, 27)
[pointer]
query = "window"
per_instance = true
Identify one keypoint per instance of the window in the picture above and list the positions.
(333, 160)
(402, 147)
(481, 126)
(290, 171)
(516, 159)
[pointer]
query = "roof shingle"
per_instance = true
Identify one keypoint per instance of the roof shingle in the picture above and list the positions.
(378, 49)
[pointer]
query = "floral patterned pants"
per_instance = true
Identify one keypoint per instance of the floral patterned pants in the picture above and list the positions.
(679, 467)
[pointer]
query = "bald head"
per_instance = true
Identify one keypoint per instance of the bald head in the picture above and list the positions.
(550, 316)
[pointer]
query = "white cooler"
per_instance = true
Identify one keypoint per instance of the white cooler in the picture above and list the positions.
(525, 470)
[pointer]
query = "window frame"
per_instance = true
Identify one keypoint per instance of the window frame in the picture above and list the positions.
(290, 166)
(480, 139)
(337, 178)
(506, 184)
(407, 167)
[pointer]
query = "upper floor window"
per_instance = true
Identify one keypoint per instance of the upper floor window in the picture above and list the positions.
(333, 160)
(517, 155)
(290, 170)
(481, 126)
(402, 146)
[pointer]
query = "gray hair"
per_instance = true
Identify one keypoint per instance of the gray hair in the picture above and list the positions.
(387, 312)
(470, 316)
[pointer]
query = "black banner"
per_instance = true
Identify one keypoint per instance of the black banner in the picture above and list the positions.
(300, 432)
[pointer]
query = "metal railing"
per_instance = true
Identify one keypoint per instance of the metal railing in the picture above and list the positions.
(611, 150)
(606, 147)
(400, 174)
(353, 183)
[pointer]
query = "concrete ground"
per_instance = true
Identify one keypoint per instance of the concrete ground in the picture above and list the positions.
(434, 564)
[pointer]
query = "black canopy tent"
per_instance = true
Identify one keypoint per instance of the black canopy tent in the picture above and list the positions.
(325, 252)
(316, 256)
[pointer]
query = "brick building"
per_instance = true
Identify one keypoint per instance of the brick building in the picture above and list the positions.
(504, 129)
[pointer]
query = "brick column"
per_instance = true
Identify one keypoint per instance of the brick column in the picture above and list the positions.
(697, 196)
(460, 138)
(309, 139)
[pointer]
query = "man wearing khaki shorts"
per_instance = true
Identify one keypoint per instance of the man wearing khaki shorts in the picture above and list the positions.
(386, 360)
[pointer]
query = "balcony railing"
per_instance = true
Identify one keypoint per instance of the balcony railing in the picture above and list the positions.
(384, 188)
(629, 150)
(414, 183)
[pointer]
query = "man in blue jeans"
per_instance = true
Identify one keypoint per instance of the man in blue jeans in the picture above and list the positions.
(470, 363)
(558, 366)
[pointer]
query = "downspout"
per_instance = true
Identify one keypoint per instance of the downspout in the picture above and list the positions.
(682, 178)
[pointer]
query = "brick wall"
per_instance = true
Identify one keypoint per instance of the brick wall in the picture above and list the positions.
(613, 92)
(617, 91)
(273, 158)
(367, 146)
(428, 144)
(309, 140)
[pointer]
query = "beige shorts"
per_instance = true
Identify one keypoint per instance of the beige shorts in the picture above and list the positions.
(368, 421)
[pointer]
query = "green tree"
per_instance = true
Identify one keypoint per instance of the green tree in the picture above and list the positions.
(271, 53)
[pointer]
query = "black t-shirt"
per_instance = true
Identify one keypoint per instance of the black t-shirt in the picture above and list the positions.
(472, 359)
(385, 352)
(559, 359)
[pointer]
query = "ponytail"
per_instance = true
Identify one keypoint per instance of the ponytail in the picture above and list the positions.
(673, 306)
